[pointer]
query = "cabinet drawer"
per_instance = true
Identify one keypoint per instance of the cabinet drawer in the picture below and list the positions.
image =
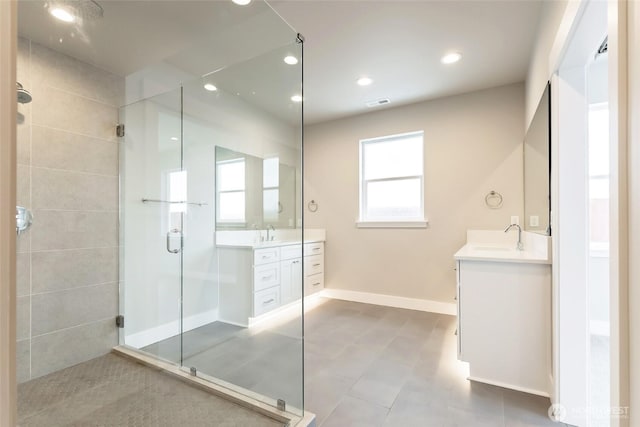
(266, 276)
(290, 252)
(313, 248)
(313, 284)
(266, 255)
(313, 265)
(266, 300)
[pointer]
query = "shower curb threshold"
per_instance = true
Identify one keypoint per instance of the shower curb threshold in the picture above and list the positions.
(288, 419)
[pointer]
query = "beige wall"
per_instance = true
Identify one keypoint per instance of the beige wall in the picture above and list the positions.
(473, 144)
(538, 73)
(67, 263)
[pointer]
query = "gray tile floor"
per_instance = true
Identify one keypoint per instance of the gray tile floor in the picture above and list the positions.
(367, 365)
(115, 391)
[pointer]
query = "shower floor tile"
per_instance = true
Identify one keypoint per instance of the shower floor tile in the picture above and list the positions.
(115, 391)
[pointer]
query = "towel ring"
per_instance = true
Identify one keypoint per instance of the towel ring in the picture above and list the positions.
(493, 200)
(313, 206)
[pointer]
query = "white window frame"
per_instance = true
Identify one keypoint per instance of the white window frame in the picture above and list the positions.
(363, 222)
(227, 222)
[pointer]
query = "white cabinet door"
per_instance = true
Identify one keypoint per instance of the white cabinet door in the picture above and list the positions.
(290, 280)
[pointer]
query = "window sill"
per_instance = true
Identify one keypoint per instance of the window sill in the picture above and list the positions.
(392, 224)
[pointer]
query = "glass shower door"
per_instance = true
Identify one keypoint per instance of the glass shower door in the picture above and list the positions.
(242, 156)
(152, 192)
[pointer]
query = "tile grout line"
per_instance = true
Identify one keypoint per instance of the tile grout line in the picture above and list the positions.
(74, 171)
(97, 138)
(93, 285)
(74, 327)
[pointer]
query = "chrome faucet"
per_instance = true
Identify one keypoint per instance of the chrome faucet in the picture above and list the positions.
(270, 226)
(519, 245)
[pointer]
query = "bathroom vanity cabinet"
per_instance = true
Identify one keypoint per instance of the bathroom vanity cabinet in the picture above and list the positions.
(255, 281)
(504, 316)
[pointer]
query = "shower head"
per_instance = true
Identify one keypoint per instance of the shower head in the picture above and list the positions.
(24, 97)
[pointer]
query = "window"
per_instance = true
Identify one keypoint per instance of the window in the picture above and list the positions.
(392, 181)
(271, 189)
(599, 178)
(231, 190)
(177, 190)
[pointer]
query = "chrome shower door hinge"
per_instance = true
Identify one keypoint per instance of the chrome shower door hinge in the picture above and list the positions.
(120, 321)
(282, 405)
(120, 131)
(193, 371)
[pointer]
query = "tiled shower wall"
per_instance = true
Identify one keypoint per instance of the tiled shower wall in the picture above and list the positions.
(68, 176)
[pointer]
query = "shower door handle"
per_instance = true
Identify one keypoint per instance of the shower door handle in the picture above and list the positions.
(173, 251)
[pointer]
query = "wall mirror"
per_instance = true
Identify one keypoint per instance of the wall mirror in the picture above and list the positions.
(537, 169)
(253, 192)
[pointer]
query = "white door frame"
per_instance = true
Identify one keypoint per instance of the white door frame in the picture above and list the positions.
(623, 298)
(8, 107)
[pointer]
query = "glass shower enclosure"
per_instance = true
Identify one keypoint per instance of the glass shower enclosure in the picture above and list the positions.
(220, 153)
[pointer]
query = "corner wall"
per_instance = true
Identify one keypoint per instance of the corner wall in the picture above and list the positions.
(539, 69)
(473, 144)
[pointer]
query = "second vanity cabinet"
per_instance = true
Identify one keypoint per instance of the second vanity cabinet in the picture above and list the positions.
(504, 317)
(256, 281)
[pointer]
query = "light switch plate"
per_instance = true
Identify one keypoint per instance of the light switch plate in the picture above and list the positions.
(534, 221)
(515, 219)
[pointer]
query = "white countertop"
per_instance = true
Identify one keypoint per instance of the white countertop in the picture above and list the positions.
(497, 246)
(260, 245)
(256, 239)
(499, 254)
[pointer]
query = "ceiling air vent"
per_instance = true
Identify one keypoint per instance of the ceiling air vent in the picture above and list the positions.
(377, 102)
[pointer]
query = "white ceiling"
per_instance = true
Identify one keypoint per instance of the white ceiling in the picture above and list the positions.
(397, 43)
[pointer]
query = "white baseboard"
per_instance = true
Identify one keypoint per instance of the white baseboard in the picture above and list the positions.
(170, 329)
(510, 386)
(391, 301)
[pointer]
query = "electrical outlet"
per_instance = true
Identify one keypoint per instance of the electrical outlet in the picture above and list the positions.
(534, 221)
(515, 219)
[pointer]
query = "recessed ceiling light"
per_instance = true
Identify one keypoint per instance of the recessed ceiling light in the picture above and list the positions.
(174, 138)
(210, 87)
(241, 2)
(364, 81)
(296, 98)
(451, 58)
(291, 60)
(62, 14)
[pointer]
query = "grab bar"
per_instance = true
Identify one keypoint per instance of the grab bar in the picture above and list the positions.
(173, 202)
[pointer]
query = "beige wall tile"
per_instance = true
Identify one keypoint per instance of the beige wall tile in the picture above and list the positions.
(53, 311)
(67, 73)
(23, 62)
(23, 242)
(59, 350)
(23, 274)
(63, 110)
(73, 230)
(63, 150)
(56, 270)
(23, 187)
(23, 360)
(23, 143)
(23, 314)
(54, 189)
